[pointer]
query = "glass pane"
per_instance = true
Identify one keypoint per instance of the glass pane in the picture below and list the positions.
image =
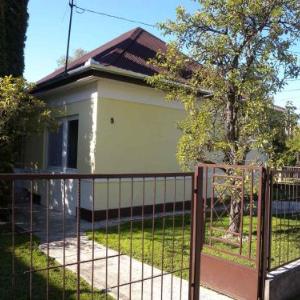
(72, 143)
(55, 147)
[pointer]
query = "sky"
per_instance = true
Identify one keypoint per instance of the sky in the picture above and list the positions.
(48, 28)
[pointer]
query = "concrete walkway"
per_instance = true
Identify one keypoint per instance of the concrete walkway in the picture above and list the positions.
(157, 288)
(118, 269)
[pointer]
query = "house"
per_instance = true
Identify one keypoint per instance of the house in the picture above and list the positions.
(113, 122)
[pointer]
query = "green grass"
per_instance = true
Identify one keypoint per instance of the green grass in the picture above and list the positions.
(22, 259)
(158, 249)
(161, 244)
(170, 252)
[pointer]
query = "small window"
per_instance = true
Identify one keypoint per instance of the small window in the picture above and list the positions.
(55, 147)
(72, 144)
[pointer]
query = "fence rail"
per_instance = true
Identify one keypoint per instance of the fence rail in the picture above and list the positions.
(101, 236)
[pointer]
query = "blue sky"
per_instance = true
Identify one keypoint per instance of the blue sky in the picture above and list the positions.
(48, 24)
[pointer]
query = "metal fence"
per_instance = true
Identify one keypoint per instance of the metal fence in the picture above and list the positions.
(65, 236)
(142, 236)
(285, 217)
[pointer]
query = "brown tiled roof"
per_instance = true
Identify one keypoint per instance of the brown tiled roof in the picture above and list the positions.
(130, 51)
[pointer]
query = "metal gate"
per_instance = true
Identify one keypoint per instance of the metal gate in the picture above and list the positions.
(232, 256)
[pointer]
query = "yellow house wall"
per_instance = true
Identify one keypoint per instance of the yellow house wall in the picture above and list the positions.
(143, 138)
(144, 135)
(138, 192)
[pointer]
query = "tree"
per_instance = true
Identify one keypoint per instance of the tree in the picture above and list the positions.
(240, 52)
(76, 54)
(22, 115)
(13, 26)
(292, 118)
(293, 143)
(284, 149)
(292, 150)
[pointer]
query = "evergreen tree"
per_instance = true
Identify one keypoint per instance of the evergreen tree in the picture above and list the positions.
(13, 25)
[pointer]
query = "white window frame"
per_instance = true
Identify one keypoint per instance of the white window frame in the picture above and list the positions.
(65, 122)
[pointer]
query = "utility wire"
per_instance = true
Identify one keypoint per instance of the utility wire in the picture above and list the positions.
(295, 79)
(81, 10)
(293, 90)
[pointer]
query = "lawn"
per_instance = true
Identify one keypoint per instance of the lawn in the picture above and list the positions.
(166, 244)
(39, 279)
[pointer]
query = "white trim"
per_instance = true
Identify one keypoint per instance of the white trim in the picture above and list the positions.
(111, 89)
(67, 96)
(130, 92)
(91, 64)
(119, 71)
(93, 142)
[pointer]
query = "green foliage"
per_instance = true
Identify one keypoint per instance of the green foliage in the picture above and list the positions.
(289, 156)
(294, 141)
(76, 54)
(13, 25)
(22, 115)
(286, 143)
(237, 55)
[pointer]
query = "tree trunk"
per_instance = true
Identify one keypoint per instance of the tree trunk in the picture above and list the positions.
(235, 216)
(231, 157)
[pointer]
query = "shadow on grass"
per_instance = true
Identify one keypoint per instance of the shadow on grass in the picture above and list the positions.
(20, 285)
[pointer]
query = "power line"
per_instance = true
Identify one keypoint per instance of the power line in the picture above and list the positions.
(81, 10)
(293, 90)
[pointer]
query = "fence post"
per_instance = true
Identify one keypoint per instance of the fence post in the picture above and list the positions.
(268, 226)
(266, 229)
(197, 224)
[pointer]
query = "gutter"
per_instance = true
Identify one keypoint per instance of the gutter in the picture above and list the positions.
(122, 72)
(94, 68)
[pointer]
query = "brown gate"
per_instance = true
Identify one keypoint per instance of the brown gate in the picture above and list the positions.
(232, 257)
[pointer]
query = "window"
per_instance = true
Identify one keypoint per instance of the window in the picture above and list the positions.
(55, 142)
(63, 144)
(72, 143)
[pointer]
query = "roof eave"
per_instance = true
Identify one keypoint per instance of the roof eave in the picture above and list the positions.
(96, 69)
